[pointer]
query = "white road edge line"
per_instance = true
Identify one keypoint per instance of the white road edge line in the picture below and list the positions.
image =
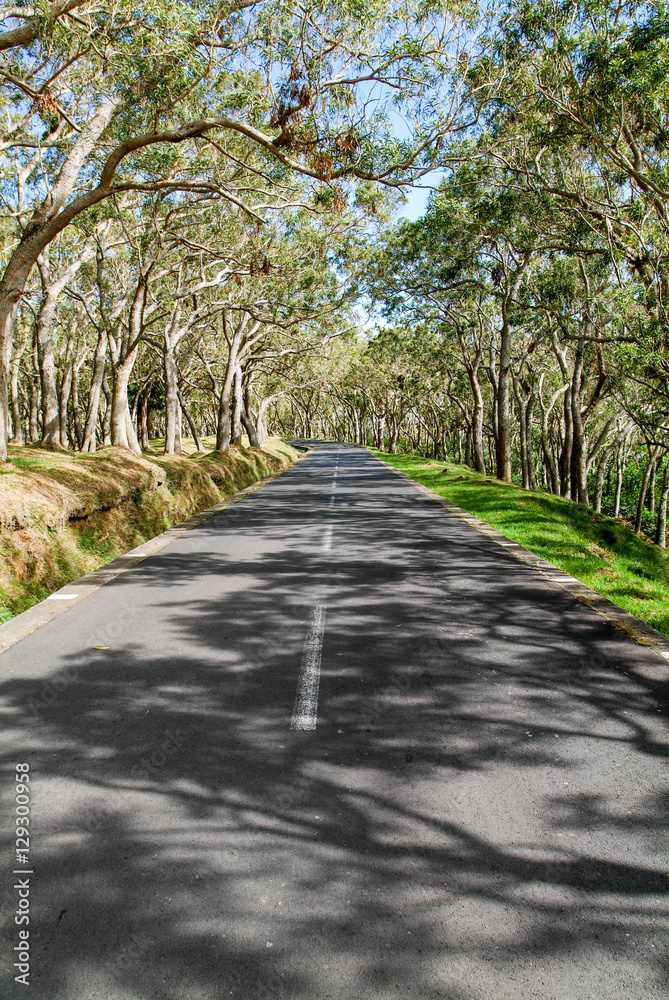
(305, 709)
(61, 597)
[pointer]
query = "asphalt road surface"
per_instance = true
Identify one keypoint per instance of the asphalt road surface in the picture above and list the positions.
(336, 743)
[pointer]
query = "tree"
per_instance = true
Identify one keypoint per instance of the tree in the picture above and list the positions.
(188, 56)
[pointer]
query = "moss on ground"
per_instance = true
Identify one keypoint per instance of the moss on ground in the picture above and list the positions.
(63, 514)
(601, 552)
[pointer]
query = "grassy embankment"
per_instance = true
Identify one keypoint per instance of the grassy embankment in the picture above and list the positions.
(63, 514)
(601, 552)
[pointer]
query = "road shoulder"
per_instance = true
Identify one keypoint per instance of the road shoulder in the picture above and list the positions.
(621, 620)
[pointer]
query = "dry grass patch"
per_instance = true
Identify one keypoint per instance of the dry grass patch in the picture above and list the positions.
(62, 514)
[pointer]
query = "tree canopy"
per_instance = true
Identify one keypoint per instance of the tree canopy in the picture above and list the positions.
(201, 236)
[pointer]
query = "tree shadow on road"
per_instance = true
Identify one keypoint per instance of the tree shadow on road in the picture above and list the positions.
(457, 821)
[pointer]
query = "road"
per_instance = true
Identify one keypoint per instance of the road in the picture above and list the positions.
(336, 743)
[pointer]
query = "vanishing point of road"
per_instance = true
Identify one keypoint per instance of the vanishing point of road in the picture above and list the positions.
(336, 743)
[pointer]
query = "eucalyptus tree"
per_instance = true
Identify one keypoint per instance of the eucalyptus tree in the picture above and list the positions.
(290, 302)
(580, 119)
(540, 266)
(132, 98)
(476, 240)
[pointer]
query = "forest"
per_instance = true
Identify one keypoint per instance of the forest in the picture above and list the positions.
(204, 233)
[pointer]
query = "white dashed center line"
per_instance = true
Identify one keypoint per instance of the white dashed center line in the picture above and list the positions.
(305, 709)
(327, 539)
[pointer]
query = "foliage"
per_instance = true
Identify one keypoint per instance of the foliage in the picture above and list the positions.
(200, 234)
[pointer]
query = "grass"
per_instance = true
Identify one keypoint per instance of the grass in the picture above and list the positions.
(601, 552)
(63, 514)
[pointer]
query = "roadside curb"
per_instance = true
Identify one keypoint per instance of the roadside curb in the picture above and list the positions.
(78, 590)
(623, 621)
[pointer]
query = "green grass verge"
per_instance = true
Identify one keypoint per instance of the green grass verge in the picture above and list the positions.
(601, 552)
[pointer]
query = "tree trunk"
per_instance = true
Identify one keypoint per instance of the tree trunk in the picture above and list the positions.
(53, 430)
(64, 401)
(362, 422)
(247, 416)
(600, 476)
(263, 432)
(177, 430)
(77, 430)
(223, 428)
(392, 437)
(124, 356)
(468, 447)
(651, 490)
(531, 472)
(477, 421)
(504, 403)
(250, 429)
(122, 430)
(10, 293)
(33, 429)
(33, 420)
(17, 427)
(661, 525)
(143, 408)
(46, 222)
(619, 482)
(638, 521)
(549, 460)
(90, 430)
(237, 409)
(66, 388)
(223, 420)
(380, 433)
(522, 427)
(192, 426)
(171, 401)
(106, 420)
(565, 451)
(47, 371)
(503, 394)
(578, 467)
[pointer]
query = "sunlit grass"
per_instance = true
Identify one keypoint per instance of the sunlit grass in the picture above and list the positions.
(599, 551)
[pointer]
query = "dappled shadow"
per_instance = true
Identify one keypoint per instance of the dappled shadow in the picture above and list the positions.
(478, 813)
(576, 538)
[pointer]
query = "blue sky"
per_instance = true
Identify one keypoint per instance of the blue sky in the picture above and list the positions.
(415, 204)
(417, 197)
